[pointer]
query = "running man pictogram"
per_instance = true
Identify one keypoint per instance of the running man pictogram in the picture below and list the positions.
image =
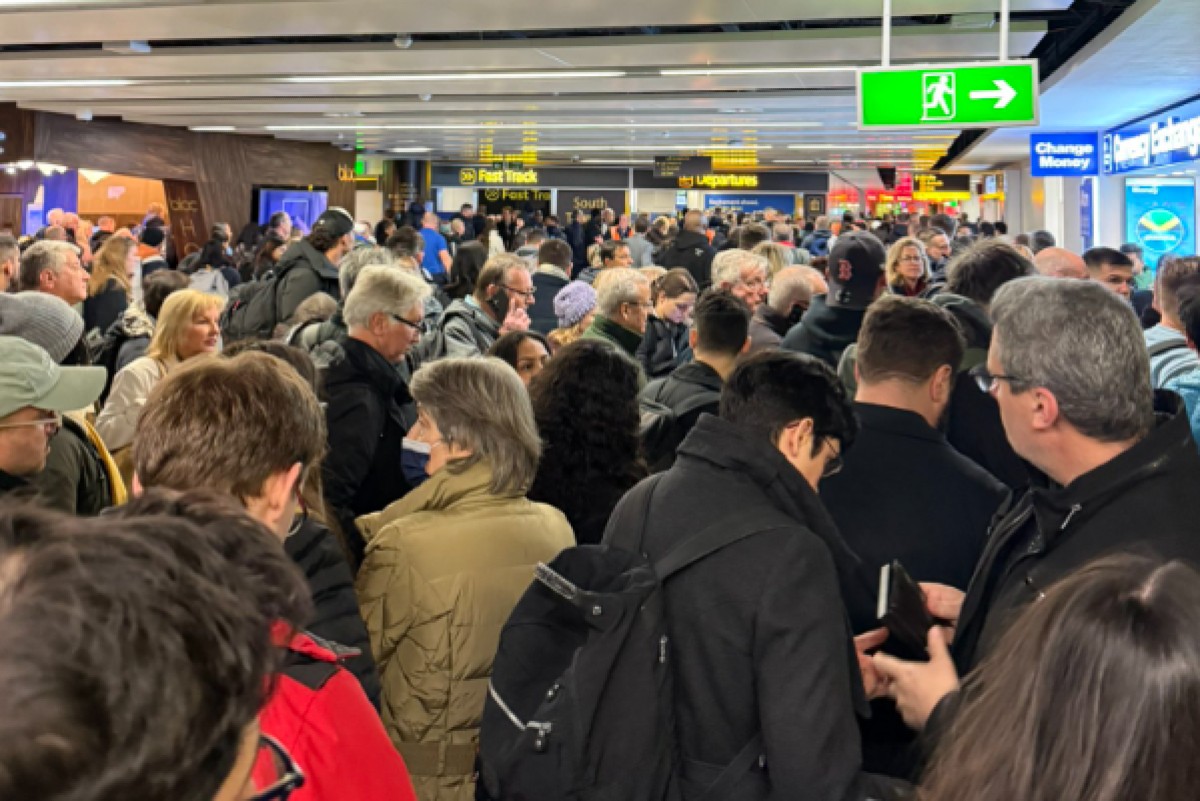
(938, 100)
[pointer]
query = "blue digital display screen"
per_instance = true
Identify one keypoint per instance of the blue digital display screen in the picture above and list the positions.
(1160, 215)
(303, 206)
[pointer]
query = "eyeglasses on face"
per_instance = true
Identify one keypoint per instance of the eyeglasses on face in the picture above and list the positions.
(526, 293)
(988, 382)
(52, 421)
(409, 323)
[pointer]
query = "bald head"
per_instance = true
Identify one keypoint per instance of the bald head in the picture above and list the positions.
(1060, 263)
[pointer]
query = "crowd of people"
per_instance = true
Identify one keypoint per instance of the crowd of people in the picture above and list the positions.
(266, 509)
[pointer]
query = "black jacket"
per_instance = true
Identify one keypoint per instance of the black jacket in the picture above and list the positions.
(759, 635)
(767, 329)
(661, 346)
(579, 245)
(369, 411)
(104, 308)
(1144, 500)
(75, 479)
(825, 331)
(303, 271)
(904, 493)
(691, 251)
(541, 314)
(691, 390)
(337, 619)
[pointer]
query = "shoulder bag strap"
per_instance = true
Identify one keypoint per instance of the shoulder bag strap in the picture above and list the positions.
(723, 786)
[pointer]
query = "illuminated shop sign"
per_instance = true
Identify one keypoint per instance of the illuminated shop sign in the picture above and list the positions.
(718, 181)
(1063, 155)
(1160, 140)
(470, 176)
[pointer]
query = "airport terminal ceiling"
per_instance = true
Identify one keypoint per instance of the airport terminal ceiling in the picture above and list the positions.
(765, 81)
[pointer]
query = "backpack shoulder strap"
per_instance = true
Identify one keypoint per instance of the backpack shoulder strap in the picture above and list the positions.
(627, 530)
(712, 539)
(723, 786)
(1166, 346)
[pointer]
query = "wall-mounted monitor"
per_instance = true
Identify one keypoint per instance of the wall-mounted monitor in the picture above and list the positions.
(303, 205)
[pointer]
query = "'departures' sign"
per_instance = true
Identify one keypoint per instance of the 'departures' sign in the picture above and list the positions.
(1168, 137)
(1063, 155)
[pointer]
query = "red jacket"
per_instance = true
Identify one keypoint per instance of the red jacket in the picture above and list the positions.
(321, 715)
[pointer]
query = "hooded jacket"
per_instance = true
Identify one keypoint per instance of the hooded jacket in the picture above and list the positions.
(368, 412)
(303, 272)
(767, 329)
(132, 330)
(825, 331)
(444, 568)
(691, 251)
(468, 330)
(760, 636)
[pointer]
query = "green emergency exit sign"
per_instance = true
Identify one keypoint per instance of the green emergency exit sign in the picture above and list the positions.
(1002, 93)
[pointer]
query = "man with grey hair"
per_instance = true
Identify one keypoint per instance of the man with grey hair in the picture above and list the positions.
(316, 333)
(743, 274)
(54, 268)
(791, 293)
(622, 309)
(10, 261)
(368, 409)
(470, 326)
(1069, 369)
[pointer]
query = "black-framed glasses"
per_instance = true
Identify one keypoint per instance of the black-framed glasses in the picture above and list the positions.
(527, 293)
(409, 323)
(286, 776)
(988, 382)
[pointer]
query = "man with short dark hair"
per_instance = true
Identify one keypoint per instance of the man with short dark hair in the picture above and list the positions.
(1170, 356)
(1112, 269)
(311, 265)
(753, 235)
(1040, 240)
(718, 337)
(280, 224)
(150, 251)
(691, 250)
(553, 273)
(944, 223)
(856, 279)
(641, 252)
(764, 664)
(436, 260)
(1069, 370)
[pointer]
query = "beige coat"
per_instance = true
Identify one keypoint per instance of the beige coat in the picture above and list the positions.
(444, 568)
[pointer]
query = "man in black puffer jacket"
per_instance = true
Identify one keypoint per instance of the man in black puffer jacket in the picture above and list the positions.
(310, 265)
(690, 250)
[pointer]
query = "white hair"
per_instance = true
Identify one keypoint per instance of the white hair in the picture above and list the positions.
(382, 290)
(619, 285)
(727, 266)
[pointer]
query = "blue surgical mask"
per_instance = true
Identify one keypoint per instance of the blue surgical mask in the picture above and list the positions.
(414, 460)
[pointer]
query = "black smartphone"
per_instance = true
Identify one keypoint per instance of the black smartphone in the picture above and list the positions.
(902, 611)
(499, 304)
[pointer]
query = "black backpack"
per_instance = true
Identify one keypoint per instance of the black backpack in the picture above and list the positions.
(662, 428)
(580, 702)
(250, 311)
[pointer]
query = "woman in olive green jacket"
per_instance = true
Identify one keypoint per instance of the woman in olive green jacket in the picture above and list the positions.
(446, 564)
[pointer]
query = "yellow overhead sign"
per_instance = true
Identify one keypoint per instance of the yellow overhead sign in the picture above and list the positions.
(721, 181)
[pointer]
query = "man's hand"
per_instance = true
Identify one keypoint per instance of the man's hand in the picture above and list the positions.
(944, 603)
(517, 320)
(874, 682)
(919, 686)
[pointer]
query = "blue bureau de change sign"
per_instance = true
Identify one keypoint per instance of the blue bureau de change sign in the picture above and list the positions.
(784, 204)
(1064, 155)
(1168, 137)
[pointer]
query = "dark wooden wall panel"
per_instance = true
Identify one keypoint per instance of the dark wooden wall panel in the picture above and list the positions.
(225, 167)
(17, 125)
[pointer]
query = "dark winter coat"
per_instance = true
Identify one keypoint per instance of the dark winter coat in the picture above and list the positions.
(759, 634)
(303, 272)
(368, 413)
(691, 251)
(825, 331)
(316, 552)
(767, 329)
(547, 285)
(662, 346)
(691, 390)
(75, 479)
(104, 308)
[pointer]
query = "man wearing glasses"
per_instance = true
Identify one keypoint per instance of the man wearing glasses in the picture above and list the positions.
(34, 392)
(470, 326)
(1070, 372)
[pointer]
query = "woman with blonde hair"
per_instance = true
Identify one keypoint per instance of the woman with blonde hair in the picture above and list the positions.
(187, 326)
(778, 256)
(110, 288)
(907, 268)
(446, 565)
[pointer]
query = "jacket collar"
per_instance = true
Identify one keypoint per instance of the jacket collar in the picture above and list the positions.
(690, 239)
(444, 489)
(550, 269)
(302, 251)
(891, 420)
(698, 374)
(833, 321)
(368, 361)
(1168, 446)
(772, 319)
(609, 329)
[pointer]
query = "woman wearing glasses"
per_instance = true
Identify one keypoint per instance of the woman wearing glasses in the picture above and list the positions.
(446, 565)
(369, 409)
(907, 268)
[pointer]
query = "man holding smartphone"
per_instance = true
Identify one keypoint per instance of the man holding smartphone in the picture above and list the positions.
(469, 327)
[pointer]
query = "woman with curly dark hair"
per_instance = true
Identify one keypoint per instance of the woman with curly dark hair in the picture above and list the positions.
(586, 407)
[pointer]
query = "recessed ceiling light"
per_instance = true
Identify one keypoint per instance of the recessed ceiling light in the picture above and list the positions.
(212, 128)
(66, 83)
(408, 150)
(548, 126)
(758, 70)
(874, 146)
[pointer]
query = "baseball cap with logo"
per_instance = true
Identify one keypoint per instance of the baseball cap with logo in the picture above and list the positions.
(29, 377)
(336, 220)
(855, 266)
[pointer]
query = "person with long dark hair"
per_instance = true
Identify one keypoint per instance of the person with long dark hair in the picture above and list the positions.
(465, 268)
(266, 258)
(1098, 688)
(585, 403)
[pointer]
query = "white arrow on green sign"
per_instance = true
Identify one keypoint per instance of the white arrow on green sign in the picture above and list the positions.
(988, 95)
